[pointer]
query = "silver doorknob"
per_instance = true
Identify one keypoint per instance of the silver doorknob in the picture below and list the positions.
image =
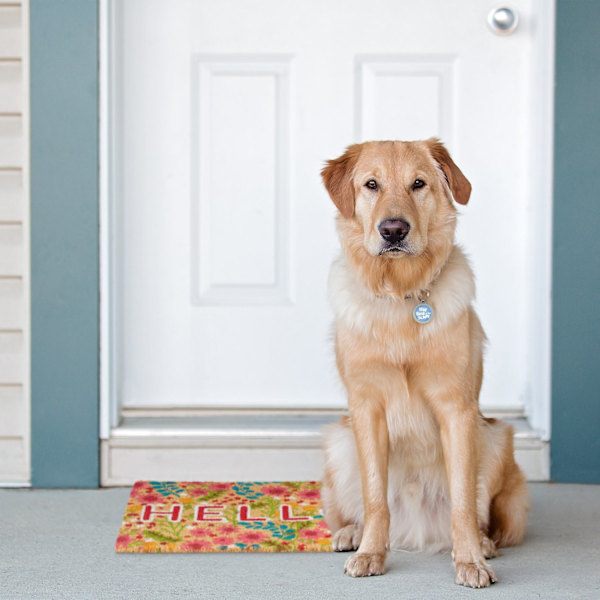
(503, 20)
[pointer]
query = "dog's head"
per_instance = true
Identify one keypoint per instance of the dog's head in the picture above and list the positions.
(397, 195)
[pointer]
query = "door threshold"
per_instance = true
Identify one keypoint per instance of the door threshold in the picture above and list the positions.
(249, 445)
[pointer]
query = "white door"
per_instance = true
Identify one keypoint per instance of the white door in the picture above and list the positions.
(226, 111)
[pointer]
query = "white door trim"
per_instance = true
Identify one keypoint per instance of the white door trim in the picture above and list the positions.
(538, 409)
(542, 109)
(109, 408)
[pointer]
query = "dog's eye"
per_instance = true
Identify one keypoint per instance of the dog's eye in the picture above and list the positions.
(371, 184)
(418, 183)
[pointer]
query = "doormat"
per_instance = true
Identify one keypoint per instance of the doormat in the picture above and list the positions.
(189, 516)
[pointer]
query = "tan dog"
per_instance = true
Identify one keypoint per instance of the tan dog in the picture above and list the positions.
(434, 473)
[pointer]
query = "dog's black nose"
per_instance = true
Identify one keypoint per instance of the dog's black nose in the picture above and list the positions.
(393, 230)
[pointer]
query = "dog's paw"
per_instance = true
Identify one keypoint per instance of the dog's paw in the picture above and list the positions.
(488, 547)
(346, 538)
(362, 564)
(474, 574)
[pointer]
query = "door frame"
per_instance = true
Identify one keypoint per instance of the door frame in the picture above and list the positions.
(542, 106)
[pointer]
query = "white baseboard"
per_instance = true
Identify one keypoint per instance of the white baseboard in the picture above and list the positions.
(13, 484)
(275, 446)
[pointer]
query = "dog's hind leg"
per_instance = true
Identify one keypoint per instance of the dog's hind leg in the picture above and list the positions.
(509, 509)
(347, 538)
(340, 492)
(488, 547)
(503, 502)
(344, 535)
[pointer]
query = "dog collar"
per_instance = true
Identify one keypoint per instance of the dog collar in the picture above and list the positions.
(421, 295)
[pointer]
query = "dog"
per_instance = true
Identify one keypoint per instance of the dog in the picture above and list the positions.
(415, 465)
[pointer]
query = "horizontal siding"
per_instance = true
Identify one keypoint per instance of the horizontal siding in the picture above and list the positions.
(12, 199)
(11, 142)
(12, 306)
(12, 421)
(11, 31)
(12, 357)
(11, 90)
(14, 249)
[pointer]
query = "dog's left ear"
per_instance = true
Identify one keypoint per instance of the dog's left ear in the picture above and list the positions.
(459, 184)
(337, 177)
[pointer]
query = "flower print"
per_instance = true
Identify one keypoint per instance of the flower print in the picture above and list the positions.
(139, 484)
(196, 545)
(309, 494)
(223, 540)
(313, 534)
(124, 540)
(200, 531)
(224, 529)
(220, 486)
(151, 498)
(197, 492)
(322, 527)
(252, 537)
(274, 490)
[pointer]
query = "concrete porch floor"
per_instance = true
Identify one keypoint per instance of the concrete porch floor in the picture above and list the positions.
(59, 544)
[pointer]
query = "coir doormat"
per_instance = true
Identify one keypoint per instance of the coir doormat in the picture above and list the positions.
(259, 516)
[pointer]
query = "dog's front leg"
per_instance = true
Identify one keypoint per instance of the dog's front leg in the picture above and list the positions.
(458, 428)
(372, 444)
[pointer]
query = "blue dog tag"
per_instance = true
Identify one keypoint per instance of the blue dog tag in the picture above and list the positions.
(423, 313)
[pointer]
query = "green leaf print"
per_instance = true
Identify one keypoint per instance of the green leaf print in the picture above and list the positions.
(272, 506)
(230, 513)
(298, 526)
(265, 507)
(273, 544)
(211, 495)
(167, 532)
(159, 537)
(292, 485)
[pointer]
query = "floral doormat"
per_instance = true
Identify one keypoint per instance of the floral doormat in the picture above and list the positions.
(259, 516)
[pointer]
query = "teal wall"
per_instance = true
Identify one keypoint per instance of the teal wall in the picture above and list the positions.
(575, 447)
(64, 249)
(64, 253)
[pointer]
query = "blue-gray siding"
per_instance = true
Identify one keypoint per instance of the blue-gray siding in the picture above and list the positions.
(575, 447)
(64, 243)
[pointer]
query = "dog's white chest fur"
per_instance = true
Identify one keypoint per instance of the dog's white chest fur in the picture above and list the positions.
(359, 310)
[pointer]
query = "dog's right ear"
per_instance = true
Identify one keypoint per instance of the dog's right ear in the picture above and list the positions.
(337, 177)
